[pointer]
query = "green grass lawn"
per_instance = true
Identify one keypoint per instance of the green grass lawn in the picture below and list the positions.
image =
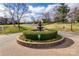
(14, 29)
(56, 26)
(67, 27)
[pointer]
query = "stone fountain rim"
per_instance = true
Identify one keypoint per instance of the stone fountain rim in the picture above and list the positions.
(41, 44)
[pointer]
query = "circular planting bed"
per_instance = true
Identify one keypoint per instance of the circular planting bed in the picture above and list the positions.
(37, 39)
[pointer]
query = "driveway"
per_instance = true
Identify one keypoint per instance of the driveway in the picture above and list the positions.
(9, 46)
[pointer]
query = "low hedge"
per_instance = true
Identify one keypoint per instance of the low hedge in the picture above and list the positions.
(40, 35)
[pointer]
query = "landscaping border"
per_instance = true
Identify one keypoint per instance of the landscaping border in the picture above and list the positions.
(41, 44)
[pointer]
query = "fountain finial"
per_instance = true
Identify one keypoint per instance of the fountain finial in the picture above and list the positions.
(40, 28)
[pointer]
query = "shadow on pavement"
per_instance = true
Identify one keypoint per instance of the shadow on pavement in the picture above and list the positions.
(67, 43)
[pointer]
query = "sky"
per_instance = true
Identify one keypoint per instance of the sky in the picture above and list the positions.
(37, 10)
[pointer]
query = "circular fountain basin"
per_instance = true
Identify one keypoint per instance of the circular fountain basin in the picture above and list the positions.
(38, 44)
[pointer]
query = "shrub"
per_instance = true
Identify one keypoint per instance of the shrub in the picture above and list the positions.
(40, 35)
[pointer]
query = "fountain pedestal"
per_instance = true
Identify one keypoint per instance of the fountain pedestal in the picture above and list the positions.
(40, 27)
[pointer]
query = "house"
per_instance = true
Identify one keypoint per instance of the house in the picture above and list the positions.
(5, 20)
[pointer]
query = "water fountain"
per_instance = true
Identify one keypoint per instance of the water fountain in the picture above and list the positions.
(39, 37)
(40, 27)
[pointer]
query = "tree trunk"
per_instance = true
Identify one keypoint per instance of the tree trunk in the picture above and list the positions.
(13, 21)
(71, 26)
(19, 24)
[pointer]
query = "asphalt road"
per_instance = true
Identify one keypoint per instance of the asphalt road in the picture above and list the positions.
(9, 46)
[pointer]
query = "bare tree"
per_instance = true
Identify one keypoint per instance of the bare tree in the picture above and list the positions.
(76, 14)
(46, 15)
(10, 10)
(16, 11)
(73, 17)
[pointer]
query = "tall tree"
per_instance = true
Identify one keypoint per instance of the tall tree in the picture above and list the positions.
(47, 18)
(76, 14)
(73, 16)
(71, 19)
(16, 11)
(62, 10)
